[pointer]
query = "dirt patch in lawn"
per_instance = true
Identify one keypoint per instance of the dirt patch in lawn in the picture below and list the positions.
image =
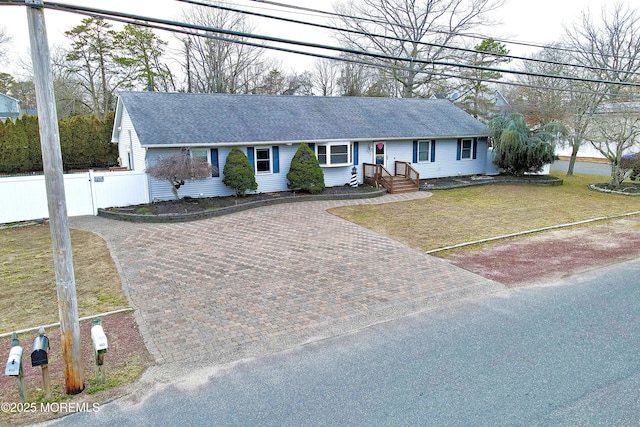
(552, 255)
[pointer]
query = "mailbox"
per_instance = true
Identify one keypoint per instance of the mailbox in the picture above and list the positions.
(14, 364)
(99, 339)
(99, 345)
(39, 351)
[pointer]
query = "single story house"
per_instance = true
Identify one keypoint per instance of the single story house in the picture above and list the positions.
(434, 136)
(9, 108)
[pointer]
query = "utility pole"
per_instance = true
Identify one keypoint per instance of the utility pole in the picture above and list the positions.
(54, 180)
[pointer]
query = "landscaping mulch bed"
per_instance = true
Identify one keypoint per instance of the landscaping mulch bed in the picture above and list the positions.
(625, 188)
(188, 208)
(474, 180)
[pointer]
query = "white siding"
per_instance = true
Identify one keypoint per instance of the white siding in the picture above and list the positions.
(210, 187)
(446, 164)
(273, 182)
(336, 177)
(445, 160)
(213, 187)
(129, 143)
(398, 151)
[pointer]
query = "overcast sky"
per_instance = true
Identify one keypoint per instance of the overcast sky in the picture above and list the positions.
(538, 22)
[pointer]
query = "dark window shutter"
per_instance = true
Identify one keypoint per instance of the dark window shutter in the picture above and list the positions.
(251, 157)
(355, 154)
(276, 159)
(433, 150)
(215, 172)
(459, 149)
(475, 148)
(415, 151)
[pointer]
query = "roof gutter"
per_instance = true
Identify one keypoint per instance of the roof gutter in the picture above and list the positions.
(310, 141)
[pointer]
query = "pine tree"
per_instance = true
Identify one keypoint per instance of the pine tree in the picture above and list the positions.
(305, 172)
(238, 172)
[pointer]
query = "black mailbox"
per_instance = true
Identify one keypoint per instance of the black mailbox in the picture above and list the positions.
(39, 350)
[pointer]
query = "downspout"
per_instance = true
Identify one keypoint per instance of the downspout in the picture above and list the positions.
(131, 166)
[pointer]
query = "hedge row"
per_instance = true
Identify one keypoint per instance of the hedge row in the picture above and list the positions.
(85, 143)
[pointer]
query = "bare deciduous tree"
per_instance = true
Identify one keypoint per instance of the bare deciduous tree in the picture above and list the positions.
(611, 46)
(213, 65)
(420, 29)
(325, 76)
(615, 130)
(4, 40)
(610, 49)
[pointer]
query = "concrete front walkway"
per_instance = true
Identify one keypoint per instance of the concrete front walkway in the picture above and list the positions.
(217, 290)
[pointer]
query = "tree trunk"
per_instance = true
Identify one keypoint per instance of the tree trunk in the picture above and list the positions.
(574, 155)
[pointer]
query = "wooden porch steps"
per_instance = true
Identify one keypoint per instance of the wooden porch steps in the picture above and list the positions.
(404, 180)
(402, 185)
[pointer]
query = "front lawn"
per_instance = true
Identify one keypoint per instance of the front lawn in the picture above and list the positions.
(461, 215)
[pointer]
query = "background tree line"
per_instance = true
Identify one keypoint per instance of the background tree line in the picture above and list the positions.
(85, 144)
(410, 49)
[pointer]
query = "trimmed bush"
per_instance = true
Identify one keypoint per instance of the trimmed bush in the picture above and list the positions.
(238, 172)
(305, 172)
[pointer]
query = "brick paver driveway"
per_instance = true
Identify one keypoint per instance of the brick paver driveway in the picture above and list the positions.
(263, 280)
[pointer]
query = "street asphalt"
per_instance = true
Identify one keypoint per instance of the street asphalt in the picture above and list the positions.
(566, 354)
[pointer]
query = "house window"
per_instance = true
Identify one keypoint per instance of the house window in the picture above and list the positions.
(203, 153)
(322, 154)
(263, 160)
(199, 153)
(467, 147)
(337, 154)
(424, 148)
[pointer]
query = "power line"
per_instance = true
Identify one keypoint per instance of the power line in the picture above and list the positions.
(473, 36)
(347, 30)
(168, 25)
(106, 13)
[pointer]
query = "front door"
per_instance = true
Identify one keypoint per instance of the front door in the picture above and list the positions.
(380, 153)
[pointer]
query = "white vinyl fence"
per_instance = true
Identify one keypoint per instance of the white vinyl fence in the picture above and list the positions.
(24, 198)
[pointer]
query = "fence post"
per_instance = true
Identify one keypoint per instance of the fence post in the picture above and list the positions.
(92, 190)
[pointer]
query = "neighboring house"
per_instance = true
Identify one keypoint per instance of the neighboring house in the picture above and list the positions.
(9, 108)
(437, 138)
(494, 102)
(622, 118)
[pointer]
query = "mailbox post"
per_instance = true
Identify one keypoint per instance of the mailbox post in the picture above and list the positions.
(100, 346)
(14, 366)
(39, 357)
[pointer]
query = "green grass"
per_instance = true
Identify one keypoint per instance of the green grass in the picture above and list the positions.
(462, 215)
(27, 266)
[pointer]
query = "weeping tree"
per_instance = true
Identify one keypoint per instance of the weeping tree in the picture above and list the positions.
(180, 167)
(517, 149)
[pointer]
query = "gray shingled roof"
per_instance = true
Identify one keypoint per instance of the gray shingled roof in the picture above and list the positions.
(181, 119)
